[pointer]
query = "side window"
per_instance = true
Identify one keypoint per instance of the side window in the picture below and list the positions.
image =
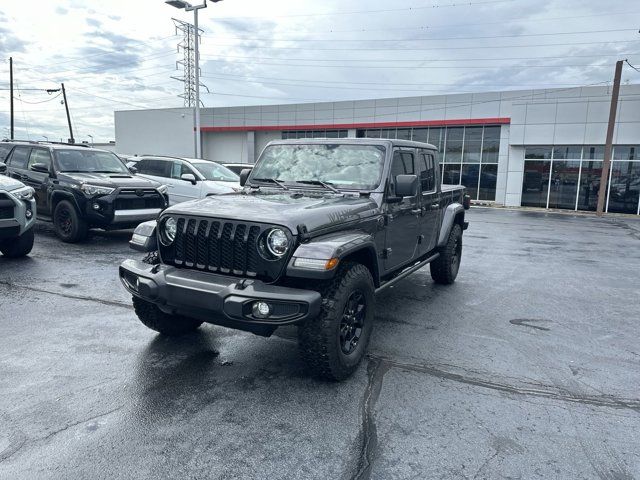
(4, 152)
(19, 157)
(180, 168)
(158, 168)
(427, 172)
(39, 155)
(402, 164)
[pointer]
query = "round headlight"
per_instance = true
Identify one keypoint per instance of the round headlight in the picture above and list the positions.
(277, 242)
(169, 229)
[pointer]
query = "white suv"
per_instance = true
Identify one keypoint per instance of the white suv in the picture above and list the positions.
(187, 178)
(17, 216)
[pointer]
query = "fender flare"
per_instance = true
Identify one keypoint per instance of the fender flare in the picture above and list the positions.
(144, 237)
(58, 195)
(336, 245)
(449, 218)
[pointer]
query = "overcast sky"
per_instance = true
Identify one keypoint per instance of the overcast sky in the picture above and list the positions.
(120, 54)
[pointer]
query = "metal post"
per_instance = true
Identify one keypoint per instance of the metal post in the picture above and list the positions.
(606, 165)
(11, 94)
(197, 55)
(66, 106)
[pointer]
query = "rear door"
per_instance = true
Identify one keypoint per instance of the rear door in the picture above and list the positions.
(429, 200)
(38, 180)
(403, 218)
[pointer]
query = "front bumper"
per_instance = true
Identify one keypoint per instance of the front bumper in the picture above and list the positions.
(24, 216)
(218, 299)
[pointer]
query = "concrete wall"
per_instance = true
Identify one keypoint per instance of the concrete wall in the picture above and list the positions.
(160, 132)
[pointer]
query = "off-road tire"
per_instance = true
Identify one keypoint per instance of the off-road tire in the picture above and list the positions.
(444, 269)
(155, 319)
(18, 247)
(69, 227)
(152, 258)
(319, 338)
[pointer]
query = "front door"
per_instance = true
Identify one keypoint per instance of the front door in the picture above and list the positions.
(39, 180)
(403, 218)
(183, 190)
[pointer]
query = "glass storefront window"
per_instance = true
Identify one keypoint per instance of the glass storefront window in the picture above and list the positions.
(625, 187)
(420, 135)
(453, 145)
(470, 178)
(595, 152)
(626, 153)
(436, 138)
(488, 180)
(589, 184)
(538, 153)
(535, 183)
(491, 145)
(572, 152)
(564, 184)
(372, 133)
(403, 134)
(472, 145)
(451, 174)
(388, 133)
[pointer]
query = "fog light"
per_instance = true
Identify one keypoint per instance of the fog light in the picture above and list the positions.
(96, 206)
(28, 214)
(261, 309)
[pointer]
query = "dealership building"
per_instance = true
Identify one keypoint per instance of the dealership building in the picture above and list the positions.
(539, 148)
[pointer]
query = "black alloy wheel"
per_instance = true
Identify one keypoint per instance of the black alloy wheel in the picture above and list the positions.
(68, 225)
(353, 318)
(63, 220)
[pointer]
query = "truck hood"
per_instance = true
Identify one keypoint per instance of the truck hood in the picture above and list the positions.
(289, 209)
(113, 180)
(8, 184)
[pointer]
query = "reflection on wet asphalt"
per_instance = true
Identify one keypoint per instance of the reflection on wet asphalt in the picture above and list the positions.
(526, 366)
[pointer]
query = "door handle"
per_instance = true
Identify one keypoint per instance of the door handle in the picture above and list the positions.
(435, 205)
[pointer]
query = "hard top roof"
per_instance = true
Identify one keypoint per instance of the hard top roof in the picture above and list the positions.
(356, 141)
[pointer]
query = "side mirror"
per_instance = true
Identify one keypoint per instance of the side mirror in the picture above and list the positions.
(40, 167)
(189, 177)
(3, 168)
(244, 174)
(406, 185)
(133, 169)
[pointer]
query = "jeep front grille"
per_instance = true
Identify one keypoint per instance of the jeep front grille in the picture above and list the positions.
(222, 246)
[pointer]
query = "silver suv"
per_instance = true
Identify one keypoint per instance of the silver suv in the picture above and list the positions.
(17, 216)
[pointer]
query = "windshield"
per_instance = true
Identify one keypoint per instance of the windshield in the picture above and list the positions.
(89, 161)
(356, 167)
(214, 171)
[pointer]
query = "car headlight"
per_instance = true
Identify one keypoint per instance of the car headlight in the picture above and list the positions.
(96, 189)
(24, 193)
(277, 242)
(168, 231)
(163, 189)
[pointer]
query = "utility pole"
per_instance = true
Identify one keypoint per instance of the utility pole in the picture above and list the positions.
(606, 165)
(66, 106)
(11, 94)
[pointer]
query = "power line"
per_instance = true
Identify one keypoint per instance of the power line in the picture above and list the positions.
(405, 49)
(386, 10)
(482, 37)
(43, 101)
(635, 68)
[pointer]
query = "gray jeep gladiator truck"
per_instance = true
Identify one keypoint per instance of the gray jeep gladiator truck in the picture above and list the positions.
(17, 216)
(320, 227)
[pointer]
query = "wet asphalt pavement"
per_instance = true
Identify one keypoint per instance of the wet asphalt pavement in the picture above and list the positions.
(527, 367)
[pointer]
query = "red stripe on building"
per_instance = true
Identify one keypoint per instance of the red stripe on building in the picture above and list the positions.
(346, 126)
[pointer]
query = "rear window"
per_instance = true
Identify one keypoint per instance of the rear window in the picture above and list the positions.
(19, 157)
(4, 152)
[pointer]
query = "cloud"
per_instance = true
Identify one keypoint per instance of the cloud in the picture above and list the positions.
(61, 10)
(94, 22)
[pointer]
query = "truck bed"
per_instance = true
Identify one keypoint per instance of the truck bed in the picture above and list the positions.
(452, 193)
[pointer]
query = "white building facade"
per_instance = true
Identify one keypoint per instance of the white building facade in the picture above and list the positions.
(539, 148)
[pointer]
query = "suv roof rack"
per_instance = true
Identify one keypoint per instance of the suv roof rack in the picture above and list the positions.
(44, 142)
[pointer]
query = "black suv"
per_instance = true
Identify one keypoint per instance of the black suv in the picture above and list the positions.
(78, 188)
(320, 227)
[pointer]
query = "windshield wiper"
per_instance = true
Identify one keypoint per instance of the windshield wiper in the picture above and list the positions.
(272, 180)
(326, 185)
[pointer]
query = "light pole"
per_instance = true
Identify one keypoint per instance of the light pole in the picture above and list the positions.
(91, 137)
(181, 4)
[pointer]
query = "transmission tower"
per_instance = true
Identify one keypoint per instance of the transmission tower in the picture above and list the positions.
(188, 62)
